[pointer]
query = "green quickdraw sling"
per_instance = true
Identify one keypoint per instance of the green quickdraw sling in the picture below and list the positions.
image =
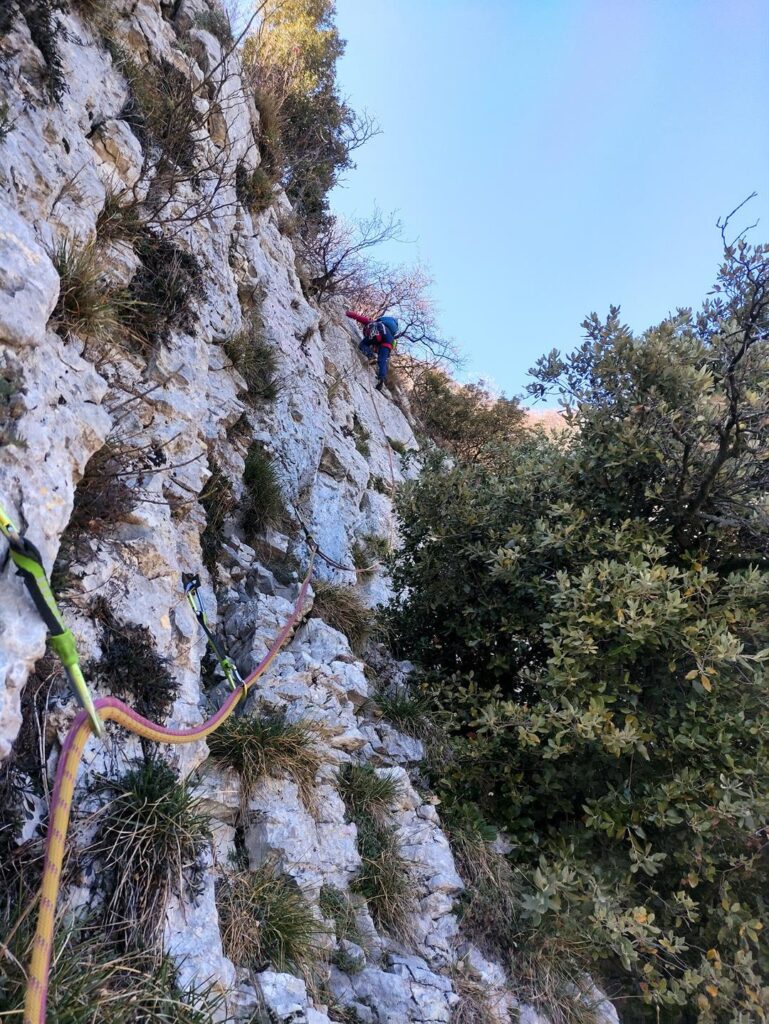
(29, 565)
(226, 664)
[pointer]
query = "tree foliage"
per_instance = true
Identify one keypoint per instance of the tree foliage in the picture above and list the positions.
(592, 611)
(310, 131)
(465, 420)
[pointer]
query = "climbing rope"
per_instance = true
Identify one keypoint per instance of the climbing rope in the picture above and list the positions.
(91, 719)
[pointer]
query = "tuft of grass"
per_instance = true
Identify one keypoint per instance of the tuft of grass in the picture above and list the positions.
(366, 792)
(341, 907)
(254, 189)
(86, 305)
(361, 437)
(130, 667)
(218, 501)
(263, 505)
(119, 219)
(369, 552)
(341, 608)
(161, 111)
(91, 983)
(162, 288)
(256, 747)
(217, 23)
(383, 880)
(266, 920)
(255, 361)
(409, 712)
(381, 486)
(149, 840)
(397, 446)
(475, 1004)
(6, 122)
(270, 132)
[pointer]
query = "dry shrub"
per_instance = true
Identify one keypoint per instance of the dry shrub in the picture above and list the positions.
(130, 667)
(87, 306)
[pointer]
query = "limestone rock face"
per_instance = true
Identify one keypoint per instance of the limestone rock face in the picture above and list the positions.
(116, 450)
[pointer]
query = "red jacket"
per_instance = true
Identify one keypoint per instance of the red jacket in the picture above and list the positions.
(366, 321)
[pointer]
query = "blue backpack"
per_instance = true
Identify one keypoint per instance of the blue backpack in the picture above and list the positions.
(390, 325)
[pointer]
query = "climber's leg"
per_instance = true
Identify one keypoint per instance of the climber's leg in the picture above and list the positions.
(384, 359)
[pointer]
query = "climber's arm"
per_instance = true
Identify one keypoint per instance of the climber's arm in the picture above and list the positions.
(359, 317)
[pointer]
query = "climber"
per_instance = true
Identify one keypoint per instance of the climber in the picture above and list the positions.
(379, 335)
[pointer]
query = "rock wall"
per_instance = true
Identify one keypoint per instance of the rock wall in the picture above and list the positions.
(180, 403)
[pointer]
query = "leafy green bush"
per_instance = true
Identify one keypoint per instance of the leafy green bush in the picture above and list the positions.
(258, 746)
(263, 505)
(266, 920)
(148, 844)
(593, 614)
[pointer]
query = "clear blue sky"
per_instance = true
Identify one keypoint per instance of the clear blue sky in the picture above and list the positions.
(550, 157)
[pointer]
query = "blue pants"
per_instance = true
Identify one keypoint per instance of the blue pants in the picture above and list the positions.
(367, 349)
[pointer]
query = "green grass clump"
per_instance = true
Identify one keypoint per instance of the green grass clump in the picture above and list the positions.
(342, 608)
(366, 792)
(397, 446)
(91, 983)
(263, 504)
(361, 436)
(257, 747)
(369, 552)
(120, 219)
(162, 289)
(254, 189)
(86, 305)
(266, 920)
(341, 907)
(148, 844)
(409, 712)
(383, 880)
(255, 361)
(218, 501)
(6, 121)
